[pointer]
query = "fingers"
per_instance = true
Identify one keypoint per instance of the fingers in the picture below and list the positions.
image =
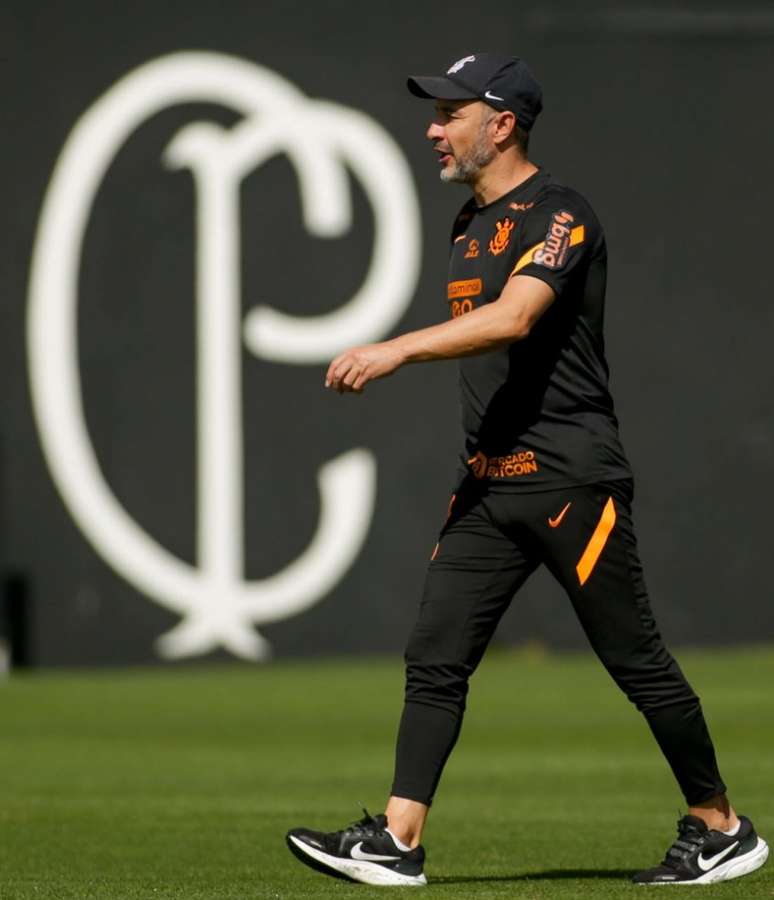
(346, 374)
(353, 369)
(337, 370)
(353, 381)
(360, 382)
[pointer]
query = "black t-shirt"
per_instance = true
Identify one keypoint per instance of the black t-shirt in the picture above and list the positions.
(537, 414)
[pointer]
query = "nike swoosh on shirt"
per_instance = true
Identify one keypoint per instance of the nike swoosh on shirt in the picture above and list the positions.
(490, 96)
(706, 864)
(554, 523)
(357, 853)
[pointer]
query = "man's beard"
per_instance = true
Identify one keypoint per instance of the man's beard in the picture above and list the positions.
(464, 169)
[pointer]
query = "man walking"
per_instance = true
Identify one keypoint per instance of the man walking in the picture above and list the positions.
(543, 480)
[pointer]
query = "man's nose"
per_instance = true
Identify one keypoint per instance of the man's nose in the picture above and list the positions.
(434, 131)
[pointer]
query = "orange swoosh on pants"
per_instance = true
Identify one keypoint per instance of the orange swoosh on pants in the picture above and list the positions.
(557, 521)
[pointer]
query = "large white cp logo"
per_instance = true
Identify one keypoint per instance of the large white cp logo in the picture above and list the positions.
(218, 607)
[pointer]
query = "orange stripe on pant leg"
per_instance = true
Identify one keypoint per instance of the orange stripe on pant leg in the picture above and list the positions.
(597, 543)
(448, 516)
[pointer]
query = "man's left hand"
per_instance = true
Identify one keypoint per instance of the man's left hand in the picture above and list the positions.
(353, 369)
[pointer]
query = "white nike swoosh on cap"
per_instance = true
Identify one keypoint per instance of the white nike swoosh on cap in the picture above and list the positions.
(706, 864)
(490, 96)
(357, 853)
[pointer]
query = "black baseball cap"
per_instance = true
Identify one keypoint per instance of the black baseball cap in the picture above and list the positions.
(504, 82)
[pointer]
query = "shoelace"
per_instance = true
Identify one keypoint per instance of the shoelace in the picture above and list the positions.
(367, 826)
(689, 839)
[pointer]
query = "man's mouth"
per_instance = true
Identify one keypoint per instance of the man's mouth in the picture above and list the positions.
(443, 155)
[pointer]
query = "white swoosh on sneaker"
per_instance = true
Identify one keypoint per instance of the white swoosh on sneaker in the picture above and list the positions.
(706, 864)
(357, 853)
(490, 96)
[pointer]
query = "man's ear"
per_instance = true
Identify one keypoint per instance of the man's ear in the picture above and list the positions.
(505, 126)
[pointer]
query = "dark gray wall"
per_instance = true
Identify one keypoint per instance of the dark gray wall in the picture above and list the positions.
(662, 118)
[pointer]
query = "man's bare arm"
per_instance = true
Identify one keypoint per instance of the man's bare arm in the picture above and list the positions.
(509, 318)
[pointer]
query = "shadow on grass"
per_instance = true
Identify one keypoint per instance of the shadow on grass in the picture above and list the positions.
(548, 875)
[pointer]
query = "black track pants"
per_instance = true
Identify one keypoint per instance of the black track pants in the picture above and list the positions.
(488, 547)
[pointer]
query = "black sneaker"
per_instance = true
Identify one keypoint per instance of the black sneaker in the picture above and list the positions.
(704, 856)
(364, 851)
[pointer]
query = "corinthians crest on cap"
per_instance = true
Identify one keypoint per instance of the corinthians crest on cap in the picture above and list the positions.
(459, 64)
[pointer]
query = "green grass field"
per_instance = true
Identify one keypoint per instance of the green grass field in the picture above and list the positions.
(181, 783)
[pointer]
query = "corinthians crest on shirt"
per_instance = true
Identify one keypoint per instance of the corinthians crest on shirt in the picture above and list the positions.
(502, 236)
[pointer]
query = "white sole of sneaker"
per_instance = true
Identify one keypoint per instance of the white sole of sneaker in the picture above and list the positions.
(368, 873)
(734, 868)
(738, 866)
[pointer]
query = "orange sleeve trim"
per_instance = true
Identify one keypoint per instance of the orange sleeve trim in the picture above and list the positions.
(577, 236)
(526, 258)
(597, 543)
